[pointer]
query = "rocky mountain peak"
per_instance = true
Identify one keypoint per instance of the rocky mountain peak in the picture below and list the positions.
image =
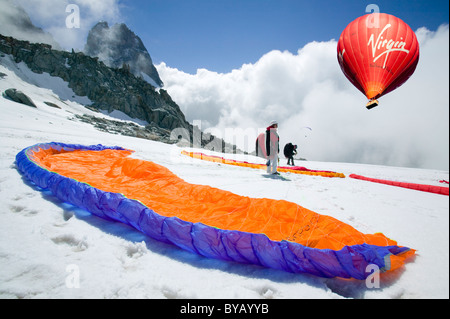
(117, 46)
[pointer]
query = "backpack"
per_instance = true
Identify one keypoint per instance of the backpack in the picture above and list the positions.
(288, 150)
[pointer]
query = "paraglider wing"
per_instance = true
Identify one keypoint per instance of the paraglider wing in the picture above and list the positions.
(205, 220)
(286, 169)
(306, 129)
(378, 57)
(419, 187)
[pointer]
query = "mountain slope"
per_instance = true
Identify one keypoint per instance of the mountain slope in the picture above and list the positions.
(108, 88)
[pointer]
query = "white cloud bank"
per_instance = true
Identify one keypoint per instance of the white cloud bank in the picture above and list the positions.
(409, 128)
(51, 15)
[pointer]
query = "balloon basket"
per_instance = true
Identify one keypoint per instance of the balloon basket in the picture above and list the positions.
(371, 104)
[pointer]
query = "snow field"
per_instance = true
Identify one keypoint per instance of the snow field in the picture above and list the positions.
(50, 249)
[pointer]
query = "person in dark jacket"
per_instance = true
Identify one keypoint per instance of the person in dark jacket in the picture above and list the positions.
(289, 151)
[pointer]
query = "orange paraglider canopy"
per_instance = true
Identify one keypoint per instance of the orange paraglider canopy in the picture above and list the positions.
(224, 214)
(284, 169)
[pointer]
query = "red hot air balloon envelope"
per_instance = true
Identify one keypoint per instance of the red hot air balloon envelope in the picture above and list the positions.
(378, 52)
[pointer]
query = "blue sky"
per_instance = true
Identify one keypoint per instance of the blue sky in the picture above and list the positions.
(222, 35)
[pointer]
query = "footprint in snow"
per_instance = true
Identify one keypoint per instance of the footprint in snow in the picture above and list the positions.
(70, 240)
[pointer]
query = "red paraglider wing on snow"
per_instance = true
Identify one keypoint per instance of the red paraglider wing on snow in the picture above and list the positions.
(419, 187)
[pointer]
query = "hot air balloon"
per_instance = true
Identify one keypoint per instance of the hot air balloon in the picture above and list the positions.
(377, 52)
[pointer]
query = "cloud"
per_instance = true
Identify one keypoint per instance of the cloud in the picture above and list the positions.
(51, 15)
(15, 22)
(409, 128)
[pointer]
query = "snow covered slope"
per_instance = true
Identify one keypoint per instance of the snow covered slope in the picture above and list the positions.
(49, 249)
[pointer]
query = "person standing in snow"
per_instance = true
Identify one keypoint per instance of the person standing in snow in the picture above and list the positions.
(289, 151)
(272, 147)
(267, 146)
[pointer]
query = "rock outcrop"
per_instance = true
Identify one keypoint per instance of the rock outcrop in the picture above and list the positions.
(18, 96)
(108, 88)
(118, 46)
(114, 89)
